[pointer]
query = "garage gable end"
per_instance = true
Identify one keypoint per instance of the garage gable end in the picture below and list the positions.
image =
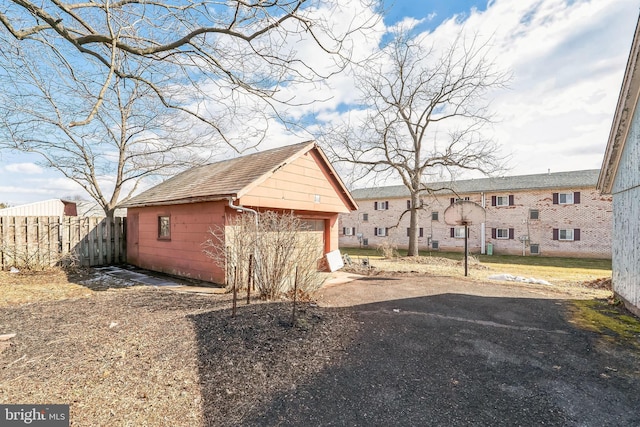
(306, 183)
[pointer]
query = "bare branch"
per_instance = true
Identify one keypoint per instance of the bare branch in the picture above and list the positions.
(176, 48)
(424, 111)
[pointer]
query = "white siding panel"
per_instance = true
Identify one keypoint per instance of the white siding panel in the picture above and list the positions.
(626, 241)
(53, 207)
(626, 218)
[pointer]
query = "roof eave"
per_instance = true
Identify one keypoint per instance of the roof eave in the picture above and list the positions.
(625, 110)
(182, 201)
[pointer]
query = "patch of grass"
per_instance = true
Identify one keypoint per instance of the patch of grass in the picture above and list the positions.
(29, 287)
(560, 262)
(606, 317)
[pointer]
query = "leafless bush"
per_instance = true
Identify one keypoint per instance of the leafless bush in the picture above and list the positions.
(35, 256)
(69, 261)
(388, 249)
(273, 248)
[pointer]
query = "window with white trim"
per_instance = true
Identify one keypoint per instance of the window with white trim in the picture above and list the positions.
(381, 231)
(502, 233)
(502, 200)
(458, 232)
(349, 231)
(381, 206)
(565, 199)
(565, 234)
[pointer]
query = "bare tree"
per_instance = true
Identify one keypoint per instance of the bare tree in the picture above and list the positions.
(423, 109)
(189, 54)
(131, 137)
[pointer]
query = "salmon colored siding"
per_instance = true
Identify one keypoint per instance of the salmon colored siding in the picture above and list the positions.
(182, 255)
(304, 184)
(295, 186)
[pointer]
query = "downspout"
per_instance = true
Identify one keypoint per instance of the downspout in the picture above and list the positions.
(241, 208)
(244, 209)
(483, 235)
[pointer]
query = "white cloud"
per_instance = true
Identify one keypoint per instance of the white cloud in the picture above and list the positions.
(567, 59)
(407, 24)
(24, 168)
(567, 62)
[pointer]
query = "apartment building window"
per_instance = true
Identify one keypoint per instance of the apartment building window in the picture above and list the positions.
(534, 248)
(381, 206)
(420, 232)
(435, 244)
(365, 217)
(458, 199)
(503, 233)
(381, 231)
(408, 204)
(566, 198)
(567, 234)
(503, 200)
(349, 231)
(534, 214)
(434, 216)
(457, 232)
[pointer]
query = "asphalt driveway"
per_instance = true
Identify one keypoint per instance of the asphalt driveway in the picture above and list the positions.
(456, 359)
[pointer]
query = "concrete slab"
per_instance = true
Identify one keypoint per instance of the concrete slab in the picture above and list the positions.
(138, 276)
(340, 277)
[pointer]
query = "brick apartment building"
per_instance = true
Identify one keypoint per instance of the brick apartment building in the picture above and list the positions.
(553, 214)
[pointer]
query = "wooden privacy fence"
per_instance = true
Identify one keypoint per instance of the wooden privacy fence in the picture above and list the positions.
(36, 242)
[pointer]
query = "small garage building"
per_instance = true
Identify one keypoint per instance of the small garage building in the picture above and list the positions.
(168, 224)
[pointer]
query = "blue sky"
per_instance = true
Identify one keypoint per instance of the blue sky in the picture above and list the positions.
(436, 11)
(567, 59)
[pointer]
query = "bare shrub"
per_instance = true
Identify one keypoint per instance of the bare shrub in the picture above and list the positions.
(33, 256)
(388, 249)
(274, 247)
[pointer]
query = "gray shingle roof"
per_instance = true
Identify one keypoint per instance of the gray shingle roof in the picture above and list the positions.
(219, 180)
(556, 180)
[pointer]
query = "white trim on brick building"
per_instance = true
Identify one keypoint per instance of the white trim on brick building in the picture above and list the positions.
(553, 214)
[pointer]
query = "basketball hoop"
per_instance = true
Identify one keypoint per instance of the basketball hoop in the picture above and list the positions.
(466, 213)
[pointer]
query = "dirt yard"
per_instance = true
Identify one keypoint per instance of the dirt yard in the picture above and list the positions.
(134, 355)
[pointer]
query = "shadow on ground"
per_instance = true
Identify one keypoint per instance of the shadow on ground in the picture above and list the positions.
(447, 359)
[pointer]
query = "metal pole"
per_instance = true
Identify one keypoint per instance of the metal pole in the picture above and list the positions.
(466, 250)
(235, 291)
(249, 277)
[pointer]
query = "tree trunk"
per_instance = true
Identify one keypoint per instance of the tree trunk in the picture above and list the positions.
(413, 224)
